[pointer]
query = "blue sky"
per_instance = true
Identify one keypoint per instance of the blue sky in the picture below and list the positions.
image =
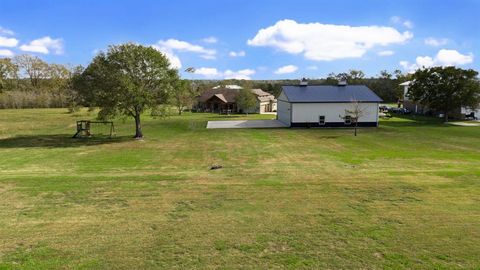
(224, 39)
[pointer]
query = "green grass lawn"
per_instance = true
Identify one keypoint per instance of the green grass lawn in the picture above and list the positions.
(404, 195)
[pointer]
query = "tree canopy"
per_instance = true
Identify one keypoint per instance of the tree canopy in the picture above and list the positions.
(246, 100)
(445, 89)
(8, 72)
(127, 80)
(183, 95)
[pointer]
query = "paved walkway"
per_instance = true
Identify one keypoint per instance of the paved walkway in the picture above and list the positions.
(246, 124)
(474, 123)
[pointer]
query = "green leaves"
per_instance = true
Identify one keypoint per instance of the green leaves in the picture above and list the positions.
(445, 89)
(246, 100)
(127, 79)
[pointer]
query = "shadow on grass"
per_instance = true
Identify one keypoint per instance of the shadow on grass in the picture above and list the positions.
(57, 141)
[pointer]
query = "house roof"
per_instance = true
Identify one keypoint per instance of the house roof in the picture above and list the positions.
(329, 93)
(228, 95)
(260, 92)
(221, 97)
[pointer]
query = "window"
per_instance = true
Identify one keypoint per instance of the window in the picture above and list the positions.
(321, 120)
(348, 120)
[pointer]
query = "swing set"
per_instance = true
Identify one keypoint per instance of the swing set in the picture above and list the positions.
(85, 127)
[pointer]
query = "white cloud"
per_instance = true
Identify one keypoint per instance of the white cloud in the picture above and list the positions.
(6, 53)
(207, 72)
(171, 46)
(444, 57)
(326, 42)
(44, 45)
(386, 53)
(312, 68)
(172, 58)
(453, 57)
(210, 40)
(208, 57)
(8, 42)
(406, 65)
(399, 20)
(286, 69)
(408, 24)
(435, 42)
(425, 61)
(243, 74)
(183, 46)
(237, 54)
(5, 31)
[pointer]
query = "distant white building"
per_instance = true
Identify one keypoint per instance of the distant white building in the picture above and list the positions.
(326, 105)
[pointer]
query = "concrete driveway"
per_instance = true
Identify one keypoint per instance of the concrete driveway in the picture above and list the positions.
(474, 123)
(246, 124)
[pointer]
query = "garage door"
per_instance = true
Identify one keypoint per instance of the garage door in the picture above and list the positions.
(283, 112)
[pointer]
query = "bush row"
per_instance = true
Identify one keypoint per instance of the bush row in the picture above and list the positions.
(42, 99)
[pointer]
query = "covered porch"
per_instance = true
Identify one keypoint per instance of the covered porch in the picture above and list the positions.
(218, 104)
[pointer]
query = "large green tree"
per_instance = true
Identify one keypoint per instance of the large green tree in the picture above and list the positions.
(246, 100)
(445, 89)
(128, 79)
(183, 95)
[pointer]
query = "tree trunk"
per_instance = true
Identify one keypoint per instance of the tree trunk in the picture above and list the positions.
(356, 125)
(446, 117)
(138, 127)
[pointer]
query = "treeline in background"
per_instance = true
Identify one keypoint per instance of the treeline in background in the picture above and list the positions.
(29, 82)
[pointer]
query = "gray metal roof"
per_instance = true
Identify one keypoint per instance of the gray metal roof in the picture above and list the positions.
(330, 93)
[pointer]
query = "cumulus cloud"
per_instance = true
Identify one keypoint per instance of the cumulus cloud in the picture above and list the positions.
(172, 57)
(207, 72)
(243, 74)
(183, 46)
(5, 31)
(386, 53)
(453, 57)
(237, 54)
(399, 20)
(44, 45)
(286, 69)
(435, 42)
(6, 53)
(210, 40)
(170, 47)
(444, 57)
(8, 42)
(326, 42)
(174, 60)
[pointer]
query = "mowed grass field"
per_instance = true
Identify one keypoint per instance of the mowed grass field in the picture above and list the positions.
(405, 195)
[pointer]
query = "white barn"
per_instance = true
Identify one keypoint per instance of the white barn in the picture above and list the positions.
(326, 105)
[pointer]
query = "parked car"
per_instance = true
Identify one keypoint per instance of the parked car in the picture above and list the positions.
(398, 110)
